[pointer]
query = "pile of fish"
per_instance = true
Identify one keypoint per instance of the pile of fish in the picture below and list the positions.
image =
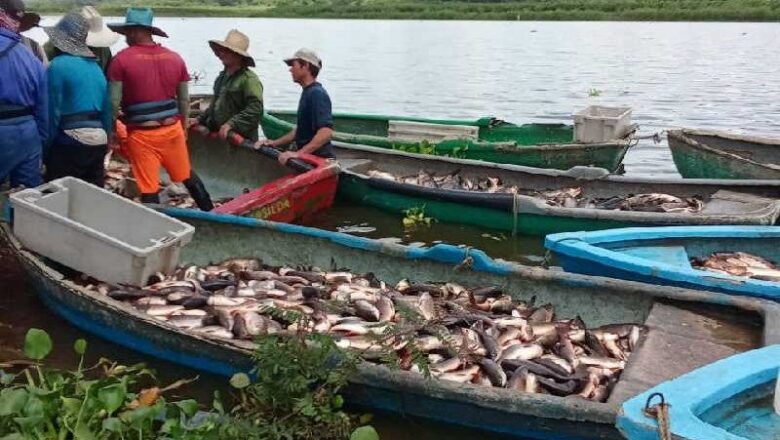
(739, 264)
(565, 198)
(479, 335)
(119, 180)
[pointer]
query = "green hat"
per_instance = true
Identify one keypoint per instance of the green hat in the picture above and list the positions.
(137, 17)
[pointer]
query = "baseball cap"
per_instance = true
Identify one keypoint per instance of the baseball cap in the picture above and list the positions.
(307, 55)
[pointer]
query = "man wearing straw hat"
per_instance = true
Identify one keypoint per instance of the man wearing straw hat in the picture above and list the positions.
(237, 103)
(149, 83)
(79, 110)
(24, 116)
(314, 127)
(99, 39)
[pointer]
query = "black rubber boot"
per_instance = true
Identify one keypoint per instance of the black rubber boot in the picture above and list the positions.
(150, 198)
(198, 192)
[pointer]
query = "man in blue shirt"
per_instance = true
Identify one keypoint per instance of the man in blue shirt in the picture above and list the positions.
(314, 127)
(23, 103)
(80, 115)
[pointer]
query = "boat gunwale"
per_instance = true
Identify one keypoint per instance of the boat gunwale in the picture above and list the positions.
(588, 247)
(696, 391)
(508, 146)
(498, 399)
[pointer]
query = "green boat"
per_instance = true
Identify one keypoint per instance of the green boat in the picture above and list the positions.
(487, 139)
(720, 155)
(724, 201)
(686, 329)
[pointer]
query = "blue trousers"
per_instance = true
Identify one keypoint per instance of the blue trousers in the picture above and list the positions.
(20, 152)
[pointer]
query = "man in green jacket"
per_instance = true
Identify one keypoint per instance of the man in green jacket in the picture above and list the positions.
(237, 103)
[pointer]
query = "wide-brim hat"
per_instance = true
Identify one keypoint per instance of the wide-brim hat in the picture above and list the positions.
(138, 17)
(99, 35)
(307, 55)
(235, 42)
(70, 35)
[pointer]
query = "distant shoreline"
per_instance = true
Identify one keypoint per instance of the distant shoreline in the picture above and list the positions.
(508, 10)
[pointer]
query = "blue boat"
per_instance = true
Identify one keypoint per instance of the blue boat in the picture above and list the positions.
(680, 322)
(727, 400)
(662, 256)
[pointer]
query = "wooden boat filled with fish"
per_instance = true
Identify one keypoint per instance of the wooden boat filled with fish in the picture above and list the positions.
(721, 155)
(535, 201)
(487, 139)
(731, 399)
(739, 260)
(546, 354)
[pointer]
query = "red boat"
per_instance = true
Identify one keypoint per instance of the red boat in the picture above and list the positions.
(291, 198)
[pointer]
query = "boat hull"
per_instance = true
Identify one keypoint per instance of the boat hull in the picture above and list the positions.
(714, 155)
(661, 256)
(532, 215)
(710, 403)
(494, 410)
(555, 153)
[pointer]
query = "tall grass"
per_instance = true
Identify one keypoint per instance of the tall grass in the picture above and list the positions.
(643, 10)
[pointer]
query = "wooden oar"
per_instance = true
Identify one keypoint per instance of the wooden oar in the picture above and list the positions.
(297, 165)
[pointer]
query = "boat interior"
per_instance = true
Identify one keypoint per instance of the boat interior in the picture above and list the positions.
(766, 153)
(681, 334)
(738, 198)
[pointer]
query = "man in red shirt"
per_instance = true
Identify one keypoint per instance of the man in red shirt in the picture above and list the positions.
(149, 83)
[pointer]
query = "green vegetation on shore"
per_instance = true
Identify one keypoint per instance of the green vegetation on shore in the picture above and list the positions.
(641, 10)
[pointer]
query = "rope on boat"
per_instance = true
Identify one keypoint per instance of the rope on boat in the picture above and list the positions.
(515, 212)
(660, 413)
(656, 137)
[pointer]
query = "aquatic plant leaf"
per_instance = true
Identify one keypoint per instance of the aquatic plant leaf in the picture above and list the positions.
(189, 407)
(82, 432)
(34, 407)
(364, 433)
(80, 347)
(28, 423)
(12, 401)
(13, 436)
(239, 381)
(112, 396)
(140, 415)
(37, 344)
(70, 405)
(6, 378)
(112, 424)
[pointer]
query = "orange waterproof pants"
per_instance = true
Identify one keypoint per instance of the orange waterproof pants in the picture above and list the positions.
(148, 148)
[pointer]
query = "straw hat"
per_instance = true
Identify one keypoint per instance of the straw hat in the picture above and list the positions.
(138, 17)
(235, 42)
(99, 35)
(70, 35)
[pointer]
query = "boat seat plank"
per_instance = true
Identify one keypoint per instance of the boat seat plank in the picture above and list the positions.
(355, 165)
(731, 202)
(678, 341)
(675, 255)
(420, 131)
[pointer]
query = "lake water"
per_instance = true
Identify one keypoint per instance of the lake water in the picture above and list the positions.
(704, 75)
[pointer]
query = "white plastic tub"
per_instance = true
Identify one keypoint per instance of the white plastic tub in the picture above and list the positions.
(97, 232)
(600, 124)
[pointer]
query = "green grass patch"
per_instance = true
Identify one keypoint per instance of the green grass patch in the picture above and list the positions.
(643, 10)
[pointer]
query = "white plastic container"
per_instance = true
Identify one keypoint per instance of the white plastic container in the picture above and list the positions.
(600, 124)
(97, 232)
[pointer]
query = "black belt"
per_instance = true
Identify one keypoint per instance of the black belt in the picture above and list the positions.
(80, 117)
(16, 112)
